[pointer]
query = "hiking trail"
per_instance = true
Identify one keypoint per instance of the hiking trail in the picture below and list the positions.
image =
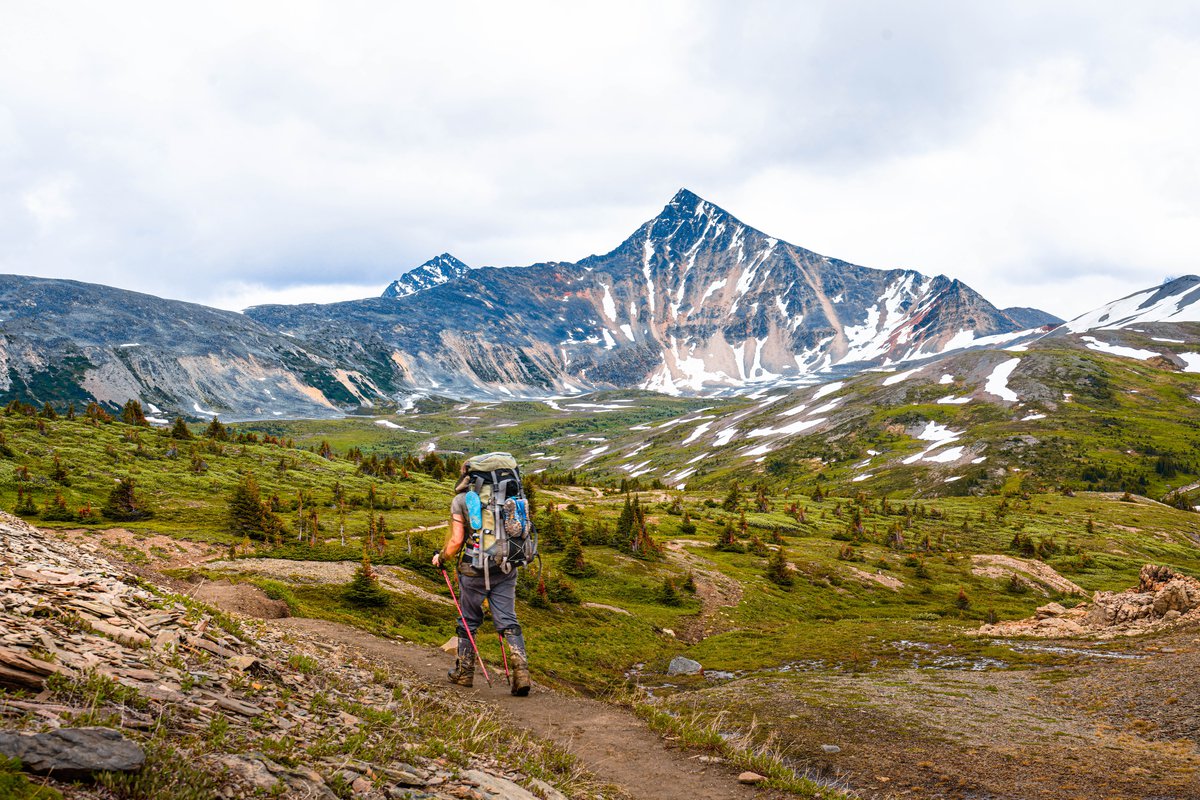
(608, 740)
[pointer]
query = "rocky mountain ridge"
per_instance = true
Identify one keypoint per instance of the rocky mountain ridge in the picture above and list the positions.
(693, 302)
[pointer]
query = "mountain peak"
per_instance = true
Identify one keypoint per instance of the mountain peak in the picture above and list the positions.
(688, 203)
(437, 270)
(1175, 300)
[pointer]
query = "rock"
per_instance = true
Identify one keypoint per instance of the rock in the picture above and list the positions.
(830, 749)
(451, 646)
(361, 786)
(498, 788)
(1050, 610)
(681, 665)
(73, 753)
(243, 663)
(1172, 597)
(751, 778)
(547, 791)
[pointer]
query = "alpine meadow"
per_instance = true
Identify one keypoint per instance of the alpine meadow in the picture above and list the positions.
(625, 401)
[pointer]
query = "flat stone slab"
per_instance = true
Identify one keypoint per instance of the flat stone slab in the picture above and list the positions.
(73, 753)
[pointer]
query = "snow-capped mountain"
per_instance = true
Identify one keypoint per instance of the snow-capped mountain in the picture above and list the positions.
(434, 272)
(694, 300)
(1176, 300)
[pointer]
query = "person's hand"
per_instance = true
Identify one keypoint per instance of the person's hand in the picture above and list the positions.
(437, 559)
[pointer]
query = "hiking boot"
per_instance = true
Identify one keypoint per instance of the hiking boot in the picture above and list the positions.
(518, 660)
(463, 673)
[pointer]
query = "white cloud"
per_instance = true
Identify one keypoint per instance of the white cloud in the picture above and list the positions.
(268, 151)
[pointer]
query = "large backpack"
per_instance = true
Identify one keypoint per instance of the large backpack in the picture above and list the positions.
(501, 532)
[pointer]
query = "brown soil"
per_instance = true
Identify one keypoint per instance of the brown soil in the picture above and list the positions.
(715, 590)
(243, 598)
(164, 552)
(609, 741)
(1097, 728)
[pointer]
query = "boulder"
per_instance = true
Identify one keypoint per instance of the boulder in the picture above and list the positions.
(497, 787)
(681, 665)
(1050, 610)
(73, 753)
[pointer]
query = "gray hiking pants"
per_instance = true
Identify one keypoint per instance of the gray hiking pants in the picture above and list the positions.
(502, 600)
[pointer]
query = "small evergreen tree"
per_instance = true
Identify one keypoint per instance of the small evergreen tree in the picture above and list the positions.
(668, 594)
(778, 571)
(248, 515)
(364, 590)
(58, 473)
(573, 562)
(733, 499)
(217, 431)
(56, 510)
(123, 503)
(686, 526)
(179, 430)
(132, 414)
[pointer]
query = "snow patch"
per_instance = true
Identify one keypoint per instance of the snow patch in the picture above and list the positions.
(900, 376)
(1127, 352)
(946, 379)
(997, 382)
(951, 400)
(1191, 361)
(828, 388)
(387, 423)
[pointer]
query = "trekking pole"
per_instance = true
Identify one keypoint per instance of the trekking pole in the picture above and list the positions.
(467, 628)
(504, 652)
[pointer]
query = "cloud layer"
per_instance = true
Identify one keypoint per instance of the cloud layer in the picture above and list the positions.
(239, 153)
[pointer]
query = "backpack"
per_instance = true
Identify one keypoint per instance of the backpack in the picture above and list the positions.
(501, 532)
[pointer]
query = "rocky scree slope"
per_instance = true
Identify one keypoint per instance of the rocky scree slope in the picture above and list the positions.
(105, 676)
(64, 341)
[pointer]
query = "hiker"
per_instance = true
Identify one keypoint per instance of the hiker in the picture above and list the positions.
(482, 576)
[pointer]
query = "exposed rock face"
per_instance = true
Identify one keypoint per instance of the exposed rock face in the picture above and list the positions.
(694, 299)
(434, 272)
(66, 341)
(1031, 317)
(73, 753)
(177, 670)
(1161, 598)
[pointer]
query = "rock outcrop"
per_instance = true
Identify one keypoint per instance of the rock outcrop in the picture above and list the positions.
(243, 708)
(1162, 597)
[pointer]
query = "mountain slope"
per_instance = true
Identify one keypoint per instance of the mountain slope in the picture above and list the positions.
(434, 272)
(69, 341)
(693, 300)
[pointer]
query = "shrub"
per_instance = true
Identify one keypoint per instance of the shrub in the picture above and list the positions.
(123, 503)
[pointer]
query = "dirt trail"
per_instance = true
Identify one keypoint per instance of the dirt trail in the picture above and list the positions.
(715, 590)
(609, 741)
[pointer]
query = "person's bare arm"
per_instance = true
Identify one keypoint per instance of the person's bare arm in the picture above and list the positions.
(454, 541)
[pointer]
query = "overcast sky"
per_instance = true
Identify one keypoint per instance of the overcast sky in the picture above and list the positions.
(1048, 154)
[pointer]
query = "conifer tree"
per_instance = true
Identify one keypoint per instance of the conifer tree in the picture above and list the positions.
(217, 431)
(624, 532)
(573, 561)
(733, 499)
(132, 414)
(179, 430)
(123, 503)
(248, 515)
(778, 571)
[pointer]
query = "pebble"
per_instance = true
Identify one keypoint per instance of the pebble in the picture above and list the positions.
(751, 778)
(830, 749)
